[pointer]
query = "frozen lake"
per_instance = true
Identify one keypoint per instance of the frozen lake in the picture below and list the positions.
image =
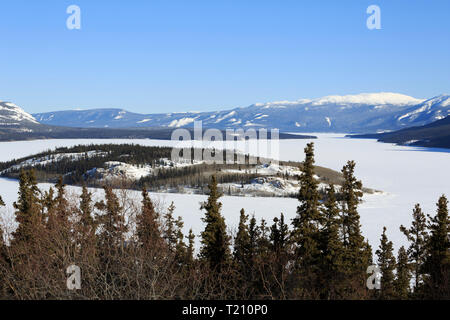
(407, 175)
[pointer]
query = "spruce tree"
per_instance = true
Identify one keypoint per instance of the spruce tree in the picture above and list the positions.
(437, 262)
(417, 236)
(357, 252)
(61, 202)
(215, 241)
(306, 225)
(254, 234)
(86, 209)
(170, 228)
(111, 240)
(28, 209)
(86, 228)
(387, 264)
(279, 257)
(147, 224)
(403, 276)
(331, 246)
(279, 236)
(190, 249)
(112, 221)
(48, 203)
(180, 248)
(264, 240)
(242, 244)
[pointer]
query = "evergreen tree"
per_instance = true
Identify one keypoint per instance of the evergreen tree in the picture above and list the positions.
(112, 221)
(111, 240)
(215, 241)
(242, 244)
(306, 225)
(170, 228)
(437, 262)
(331, 246)
(190, 248)
(403, 277)
(147, 225)
(279, 236)
(48, 203)
(357, 253)
(279, 252)
(254, 234)
(61, 202)
(86, 228)
(264, 240)
(180, 248)
(86, 209)
(28, 210)
(386, 261)
(417, 235)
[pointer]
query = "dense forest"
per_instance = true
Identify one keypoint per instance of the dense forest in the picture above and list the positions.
(140, 252)
(75, 164)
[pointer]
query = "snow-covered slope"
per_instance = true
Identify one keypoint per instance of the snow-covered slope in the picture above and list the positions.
(15, 117)
(433, 109)
(367, 112)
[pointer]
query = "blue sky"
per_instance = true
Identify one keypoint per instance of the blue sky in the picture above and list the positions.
(190, 55)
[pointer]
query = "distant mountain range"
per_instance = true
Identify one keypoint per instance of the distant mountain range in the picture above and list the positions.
(361, 113)
(16, 124)
(436, 134)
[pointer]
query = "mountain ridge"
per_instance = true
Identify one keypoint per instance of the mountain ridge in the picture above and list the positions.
(367, 112)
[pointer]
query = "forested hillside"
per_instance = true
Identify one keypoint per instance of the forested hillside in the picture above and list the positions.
(135, 167)
(433, 135)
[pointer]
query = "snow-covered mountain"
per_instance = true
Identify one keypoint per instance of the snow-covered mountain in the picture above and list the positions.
(369, 112)
(14, 116)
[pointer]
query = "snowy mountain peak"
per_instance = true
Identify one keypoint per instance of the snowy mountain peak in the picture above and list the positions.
(382, 98)
(13, 115)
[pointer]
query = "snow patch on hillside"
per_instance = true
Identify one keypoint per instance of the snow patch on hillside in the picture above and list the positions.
(144, 120)
(181, 122)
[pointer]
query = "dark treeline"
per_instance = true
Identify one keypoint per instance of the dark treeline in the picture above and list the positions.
(41, 132)
(140, 252)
